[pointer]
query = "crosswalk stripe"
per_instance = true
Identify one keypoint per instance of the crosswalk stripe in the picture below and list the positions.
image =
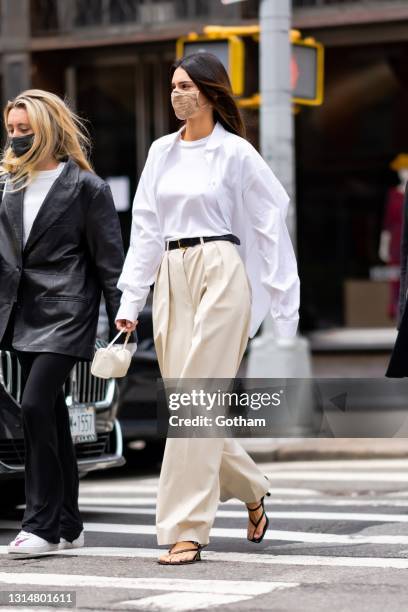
(182, 602)
(234, 557)
(91, 488)
(242, 514)
(119, 488)
(336, 476)
(286, 474)
(115, 500)
(219, 532)
(185, 602)
(233, 587)
(275, 501)
(341, 464)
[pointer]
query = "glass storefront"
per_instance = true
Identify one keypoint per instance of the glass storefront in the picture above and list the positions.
(344, 149)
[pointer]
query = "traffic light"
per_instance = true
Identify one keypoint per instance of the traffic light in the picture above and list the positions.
(307, 70)
(238, 49)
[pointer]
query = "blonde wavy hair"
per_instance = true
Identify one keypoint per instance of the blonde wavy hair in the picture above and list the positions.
(58, 132)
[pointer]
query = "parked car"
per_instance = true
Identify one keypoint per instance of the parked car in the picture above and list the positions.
(96, 432)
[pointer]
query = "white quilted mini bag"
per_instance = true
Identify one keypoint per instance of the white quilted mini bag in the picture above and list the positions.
(112, 361)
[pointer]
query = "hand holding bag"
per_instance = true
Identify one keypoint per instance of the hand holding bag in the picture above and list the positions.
(112, 361)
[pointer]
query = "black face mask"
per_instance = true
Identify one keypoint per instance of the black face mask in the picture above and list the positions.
(21, 144)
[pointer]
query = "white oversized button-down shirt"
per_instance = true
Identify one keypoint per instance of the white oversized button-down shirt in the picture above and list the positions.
(254, 202)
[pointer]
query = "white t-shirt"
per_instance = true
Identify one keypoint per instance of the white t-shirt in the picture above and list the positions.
(35, 194)
(185, 200)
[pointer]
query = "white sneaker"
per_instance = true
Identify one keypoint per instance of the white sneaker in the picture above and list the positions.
(29, 543)
(78, 543)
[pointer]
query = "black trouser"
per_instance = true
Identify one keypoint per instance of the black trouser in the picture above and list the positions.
(51, 473)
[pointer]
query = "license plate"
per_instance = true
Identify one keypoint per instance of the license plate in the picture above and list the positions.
(82, 422)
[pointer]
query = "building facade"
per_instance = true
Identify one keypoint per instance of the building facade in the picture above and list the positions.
(111, 59)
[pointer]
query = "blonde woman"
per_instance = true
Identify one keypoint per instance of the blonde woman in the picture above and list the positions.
(60, 247)
(209, 229)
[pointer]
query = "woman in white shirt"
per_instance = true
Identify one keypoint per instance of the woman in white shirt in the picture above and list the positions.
(209, 230)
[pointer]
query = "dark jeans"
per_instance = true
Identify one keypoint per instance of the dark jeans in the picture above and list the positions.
(51, 473)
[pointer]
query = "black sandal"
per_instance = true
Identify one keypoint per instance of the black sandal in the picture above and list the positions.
(197, 556)
(261, 505)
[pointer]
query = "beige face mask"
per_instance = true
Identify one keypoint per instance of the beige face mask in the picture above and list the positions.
(185, 103)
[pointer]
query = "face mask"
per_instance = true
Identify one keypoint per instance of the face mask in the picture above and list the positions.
(21, 144)
(185, 103)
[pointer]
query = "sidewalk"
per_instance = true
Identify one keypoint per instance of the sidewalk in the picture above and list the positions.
(295, 449)
(347, 361)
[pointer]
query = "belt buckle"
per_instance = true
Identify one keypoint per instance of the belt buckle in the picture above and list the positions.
(181, 247)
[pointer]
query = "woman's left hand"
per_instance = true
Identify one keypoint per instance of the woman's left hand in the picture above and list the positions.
(126, 325)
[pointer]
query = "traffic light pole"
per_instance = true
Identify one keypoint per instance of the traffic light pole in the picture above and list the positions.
(269, 357)
(276, 118)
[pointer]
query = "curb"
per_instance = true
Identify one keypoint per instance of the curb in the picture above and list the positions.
(324, 449)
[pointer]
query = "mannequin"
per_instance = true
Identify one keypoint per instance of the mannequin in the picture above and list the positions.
(390, 239)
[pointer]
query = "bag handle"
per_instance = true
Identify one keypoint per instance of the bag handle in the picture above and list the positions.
(117, 336)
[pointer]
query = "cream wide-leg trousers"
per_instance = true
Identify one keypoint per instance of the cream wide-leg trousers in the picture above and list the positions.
(201, 313)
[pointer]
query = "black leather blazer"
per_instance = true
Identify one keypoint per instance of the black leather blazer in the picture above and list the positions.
(73, 253)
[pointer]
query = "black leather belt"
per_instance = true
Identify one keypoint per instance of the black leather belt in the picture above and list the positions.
(183, 243)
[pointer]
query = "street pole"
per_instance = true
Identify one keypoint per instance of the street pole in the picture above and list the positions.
(269, 357)
(276, 117)
(15, 42)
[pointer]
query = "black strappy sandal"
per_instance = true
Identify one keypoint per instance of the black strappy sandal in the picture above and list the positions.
(261, 505)
(197, 556)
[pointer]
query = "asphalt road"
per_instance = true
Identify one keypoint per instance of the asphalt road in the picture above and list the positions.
(338, 541)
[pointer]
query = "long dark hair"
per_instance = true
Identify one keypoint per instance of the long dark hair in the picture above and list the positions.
(211, 78)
